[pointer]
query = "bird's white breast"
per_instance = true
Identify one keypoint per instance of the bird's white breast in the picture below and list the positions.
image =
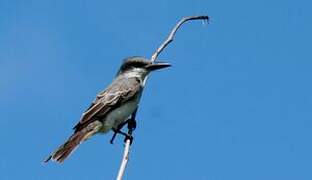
(119, 115)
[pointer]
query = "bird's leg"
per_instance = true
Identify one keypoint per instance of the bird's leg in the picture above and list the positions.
(116, 131)
(132, 122)
(131, 126)
(113, 137)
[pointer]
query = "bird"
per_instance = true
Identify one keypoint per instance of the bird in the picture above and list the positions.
(112, 107)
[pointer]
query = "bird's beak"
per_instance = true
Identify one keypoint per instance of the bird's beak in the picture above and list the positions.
(158, 65)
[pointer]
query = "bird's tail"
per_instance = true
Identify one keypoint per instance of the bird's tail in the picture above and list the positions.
(61, 153)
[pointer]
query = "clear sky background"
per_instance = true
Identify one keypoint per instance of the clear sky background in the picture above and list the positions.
(235, 105)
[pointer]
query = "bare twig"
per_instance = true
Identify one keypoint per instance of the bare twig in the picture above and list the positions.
(153, 59)
(124, 161)
(172, 33)
(128, 140)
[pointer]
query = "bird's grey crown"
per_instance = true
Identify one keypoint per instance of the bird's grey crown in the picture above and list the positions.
(134, 61)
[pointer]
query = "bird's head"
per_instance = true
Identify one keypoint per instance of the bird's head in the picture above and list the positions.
(140, 66)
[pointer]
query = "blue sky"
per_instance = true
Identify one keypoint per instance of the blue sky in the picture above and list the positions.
(236, 104)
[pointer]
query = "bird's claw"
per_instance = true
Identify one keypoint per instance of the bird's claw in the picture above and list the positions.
(130, 137)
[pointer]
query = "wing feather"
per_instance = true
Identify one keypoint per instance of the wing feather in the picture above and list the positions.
(120, 91)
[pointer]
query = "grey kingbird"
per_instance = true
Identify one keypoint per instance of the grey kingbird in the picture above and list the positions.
(112, 107)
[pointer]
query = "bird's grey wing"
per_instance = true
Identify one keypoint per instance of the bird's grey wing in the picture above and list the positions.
(119, 91)
(96, 100)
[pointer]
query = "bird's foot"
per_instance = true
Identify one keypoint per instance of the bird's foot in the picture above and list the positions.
(130, 137)
(127, 136)
(131, 127)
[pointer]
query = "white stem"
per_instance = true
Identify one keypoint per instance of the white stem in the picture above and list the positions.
(124, 160)
(172, 33)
